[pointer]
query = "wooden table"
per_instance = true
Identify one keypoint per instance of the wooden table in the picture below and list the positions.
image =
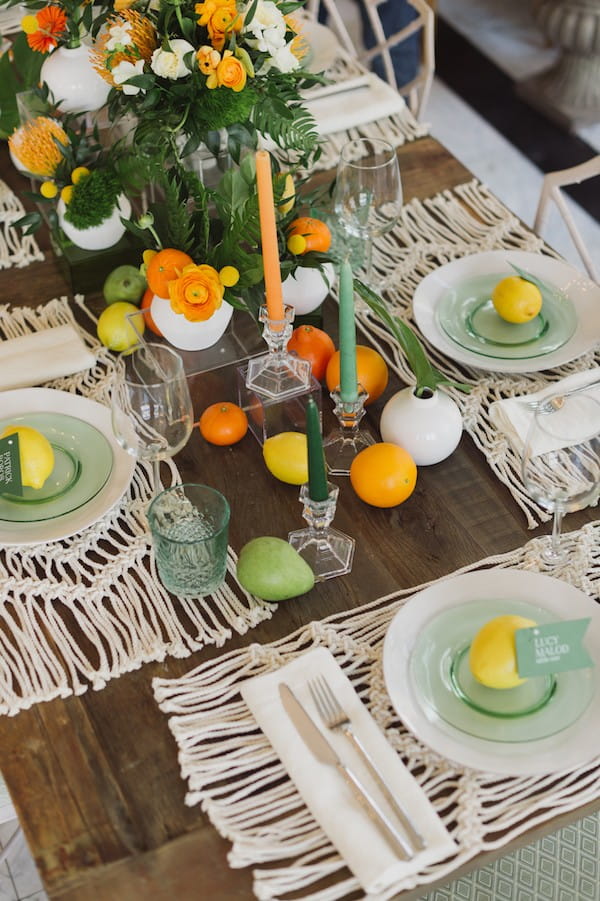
(95, 778)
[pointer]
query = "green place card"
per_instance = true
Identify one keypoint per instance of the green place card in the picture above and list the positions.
(10, 466)
(552, 648)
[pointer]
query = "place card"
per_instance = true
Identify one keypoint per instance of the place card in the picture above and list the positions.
(10, 466)
(552, 648)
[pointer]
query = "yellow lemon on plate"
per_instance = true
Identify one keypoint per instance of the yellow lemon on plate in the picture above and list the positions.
(35, 455)
(517, 300)
(492, 656)
(115, 330)
(286, 457)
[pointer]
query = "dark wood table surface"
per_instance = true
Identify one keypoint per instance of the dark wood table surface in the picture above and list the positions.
(95, 778)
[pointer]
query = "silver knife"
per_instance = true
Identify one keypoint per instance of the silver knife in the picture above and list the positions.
(323, 751)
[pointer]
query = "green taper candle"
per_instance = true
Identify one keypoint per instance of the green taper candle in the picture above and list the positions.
(317, 472)
(348, 379)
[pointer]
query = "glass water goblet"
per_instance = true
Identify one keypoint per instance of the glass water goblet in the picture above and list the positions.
(152, 412)
(561, 461)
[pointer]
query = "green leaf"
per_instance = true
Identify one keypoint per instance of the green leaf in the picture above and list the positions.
(528, 277)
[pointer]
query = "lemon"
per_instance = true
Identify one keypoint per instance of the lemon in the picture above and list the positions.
(288, 193)
(517, 300)
(116, 331)
(35, 455)
(286, 457)
(492, 657)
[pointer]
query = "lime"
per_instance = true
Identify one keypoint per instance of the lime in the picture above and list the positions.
(286, 457)
(35, 455)
(115, 330)
(517, 300)
(492, 657)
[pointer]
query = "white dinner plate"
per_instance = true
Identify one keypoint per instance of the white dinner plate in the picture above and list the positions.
(583, 293)
(48, 400)
(565, 750)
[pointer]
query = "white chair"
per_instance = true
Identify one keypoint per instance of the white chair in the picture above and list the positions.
(551, 190)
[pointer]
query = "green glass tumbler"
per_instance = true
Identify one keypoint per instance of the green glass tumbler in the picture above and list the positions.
(190, 526)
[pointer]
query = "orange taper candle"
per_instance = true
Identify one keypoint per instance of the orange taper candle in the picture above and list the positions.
(268, 235)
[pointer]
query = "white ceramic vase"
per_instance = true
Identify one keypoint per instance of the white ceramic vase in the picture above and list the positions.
(306, 288)
(429, 428)
(97, 237)
(186, 335)
(69, 74)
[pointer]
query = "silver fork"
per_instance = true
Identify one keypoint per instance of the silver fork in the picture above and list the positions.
(336, 718)
(555, 401)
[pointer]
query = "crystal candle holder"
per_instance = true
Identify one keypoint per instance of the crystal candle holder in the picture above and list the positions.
(327, 551)
(345, 442)
(278, 373)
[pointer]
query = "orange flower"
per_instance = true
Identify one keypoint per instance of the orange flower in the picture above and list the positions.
(208, 59)
(142, 44)
(230, 73)
(52, 24)
(197, 293)
(219, 17)
(36, 145)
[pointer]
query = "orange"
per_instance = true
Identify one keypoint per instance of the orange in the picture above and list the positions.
(371, 370)
(383, 474)
(313, 344)
(316, 234)
(223, 423)
(163, 267)
(145, 305)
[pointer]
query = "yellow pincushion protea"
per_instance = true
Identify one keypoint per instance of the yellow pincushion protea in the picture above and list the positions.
(33, 145)
(142, 42)
(298, 45)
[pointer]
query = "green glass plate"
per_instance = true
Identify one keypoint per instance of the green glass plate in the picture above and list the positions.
(443, 684)
(83, 461)
(467, 316)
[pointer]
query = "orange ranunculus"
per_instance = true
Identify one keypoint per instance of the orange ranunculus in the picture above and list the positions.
(230, 73)
(197, 293)
(208, 59)
(219, 17)
(52, 23)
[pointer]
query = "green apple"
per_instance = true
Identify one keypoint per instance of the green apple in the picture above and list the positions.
(273, 570)
(125, 283)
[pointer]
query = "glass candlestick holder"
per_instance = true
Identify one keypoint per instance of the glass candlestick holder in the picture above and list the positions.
(345, 442)
(327, 551)
(278, 373)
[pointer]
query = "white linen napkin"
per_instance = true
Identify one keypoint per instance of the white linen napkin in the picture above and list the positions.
(370, 99)
(324, 790)
(42, 356)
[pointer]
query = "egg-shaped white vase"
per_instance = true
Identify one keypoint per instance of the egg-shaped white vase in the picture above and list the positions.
(186, 335)
(70, 75)
(429, 427)
(307, 287)
(97, 237)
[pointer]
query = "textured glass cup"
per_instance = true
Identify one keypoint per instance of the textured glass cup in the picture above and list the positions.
(190, 527)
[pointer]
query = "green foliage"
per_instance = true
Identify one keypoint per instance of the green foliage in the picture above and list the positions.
(19, 71)
(94, 198)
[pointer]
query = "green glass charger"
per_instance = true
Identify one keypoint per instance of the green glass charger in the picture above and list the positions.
(443, 684)
(83, 461)
(467, 316)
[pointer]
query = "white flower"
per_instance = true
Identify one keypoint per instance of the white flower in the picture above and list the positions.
(169, 63)
(126, 70)
(120, 36)
(267, 27)
(284, 60)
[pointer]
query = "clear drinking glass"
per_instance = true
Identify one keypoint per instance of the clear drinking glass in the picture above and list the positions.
(561, 460)
(190, 527)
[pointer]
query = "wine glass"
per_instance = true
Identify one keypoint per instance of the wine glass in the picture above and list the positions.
(561, 461)
(368, 193)
(152, 412)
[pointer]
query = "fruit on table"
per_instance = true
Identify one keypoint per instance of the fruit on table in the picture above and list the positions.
(35, 455)
(145, 305)
(492, 656)
(517, 300)
(115, 330)
(273, 570)
(286, 457)
(223, 423)
(124, 283)
(371, 371)
(383, 475)
(312, 344)
(305, 234)
(165, 265)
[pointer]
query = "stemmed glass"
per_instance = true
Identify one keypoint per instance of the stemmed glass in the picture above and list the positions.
(561, 461)
(152, 412)
(368, 193)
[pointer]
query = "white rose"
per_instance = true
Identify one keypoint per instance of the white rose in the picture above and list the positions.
(120, 36)
(169, 63)
(284, 60)
(267, 27)
(126, 70)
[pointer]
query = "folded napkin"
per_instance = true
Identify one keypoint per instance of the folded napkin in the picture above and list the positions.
(324, 790)
(369, 99)
(42, 356)
(514, 415)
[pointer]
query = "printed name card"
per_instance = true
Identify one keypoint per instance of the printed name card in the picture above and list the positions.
(552, 648)
(10, 466)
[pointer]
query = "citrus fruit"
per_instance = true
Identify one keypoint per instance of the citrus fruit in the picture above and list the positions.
(492, 656)
(145, 305)
(316, 234)
(312, 344)
(371, 370)
(286, 457)
(163, 267)
(517, 300)
(223, 423)
(288, 192)
(383, 474)
(115, 330)
(35, 455)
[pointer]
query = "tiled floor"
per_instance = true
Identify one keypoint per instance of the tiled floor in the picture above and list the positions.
(19, 880)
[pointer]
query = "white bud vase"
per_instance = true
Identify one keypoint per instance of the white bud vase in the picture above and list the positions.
(69, 74)
(186, 335)
(307, 287)
(97, 237)
(429, 427)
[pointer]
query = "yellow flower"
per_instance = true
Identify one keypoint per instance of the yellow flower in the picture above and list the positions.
(30, 24)
(35, 147)
(230, 73)
(78, 173)
(197, 293)
(298, 45)
(143, 43)
(219, 17)
(66, 194)
(120, 5)
(48, 189)
(229, 276)
(208, 59)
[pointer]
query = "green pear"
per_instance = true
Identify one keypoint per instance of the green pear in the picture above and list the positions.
(273, 570)
(124, 283)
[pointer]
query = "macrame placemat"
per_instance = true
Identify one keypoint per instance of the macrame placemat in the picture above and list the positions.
(233, 771)
(16, 249)
(81, 611)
